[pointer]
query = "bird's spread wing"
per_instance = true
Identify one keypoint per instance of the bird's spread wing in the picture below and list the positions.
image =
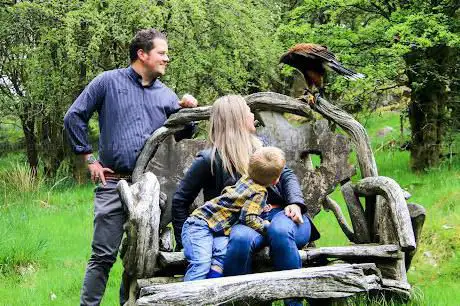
(319, 53)
(314, 50)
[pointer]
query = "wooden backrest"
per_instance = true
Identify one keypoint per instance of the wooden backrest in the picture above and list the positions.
(172, 159)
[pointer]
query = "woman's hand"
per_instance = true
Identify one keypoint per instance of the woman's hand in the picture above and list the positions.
(293, 211)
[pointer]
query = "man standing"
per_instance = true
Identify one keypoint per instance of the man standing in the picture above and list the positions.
(132, 103)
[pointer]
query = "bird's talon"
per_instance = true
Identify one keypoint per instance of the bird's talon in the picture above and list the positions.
(308, 98)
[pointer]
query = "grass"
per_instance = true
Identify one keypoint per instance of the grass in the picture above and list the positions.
(45, 244)
(436, 267)
(45, 233)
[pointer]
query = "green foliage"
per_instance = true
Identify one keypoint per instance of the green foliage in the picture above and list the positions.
(54, 48)
(371, 37)
(378, 38)
(220, 47)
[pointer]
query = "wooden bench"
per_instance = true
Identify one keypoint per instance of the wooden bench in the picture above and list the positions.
(383, 232)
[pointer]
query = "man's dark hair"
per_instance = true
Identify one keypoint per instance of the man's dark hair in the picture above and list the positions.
(144, 40)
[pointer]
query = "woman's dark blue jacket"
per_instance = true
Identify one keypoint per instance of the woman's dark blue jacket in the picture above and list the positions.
(199, 176)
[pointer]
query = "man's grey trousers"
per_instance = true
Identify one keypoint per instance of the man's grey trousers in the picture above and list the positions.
(109, 217)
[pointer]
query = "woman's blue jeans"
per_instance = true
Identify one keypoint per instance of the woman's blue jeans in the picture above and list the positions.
(284, 237)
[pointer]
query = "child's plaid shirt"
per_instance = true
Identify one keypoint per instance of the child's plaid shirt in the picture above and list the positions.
(242, 202)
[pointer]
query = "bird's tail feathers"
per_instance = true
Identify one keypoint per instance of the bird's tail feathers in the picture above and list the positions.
(345, 72)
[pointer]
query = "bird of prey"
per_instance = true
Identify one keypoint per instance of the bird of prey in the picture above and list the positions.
(312, 60)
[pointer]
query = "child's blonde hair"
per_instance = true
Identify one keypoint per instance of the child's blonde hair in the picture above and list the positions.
(266, 165)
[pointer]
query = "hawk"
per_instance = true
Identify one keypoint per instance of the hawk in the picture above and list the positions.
(311, 60)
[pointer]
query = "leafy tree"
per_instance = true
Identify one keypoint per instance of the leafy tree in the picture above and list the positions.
(220, 47)
(393, 42)
(51, 49)
(22, 26)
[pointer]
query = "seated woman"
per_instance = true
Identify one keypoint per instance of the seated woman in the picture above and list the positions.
(233, 140)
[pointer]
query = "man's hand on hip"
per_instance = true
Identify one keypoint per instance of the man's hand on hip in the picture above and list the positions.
(293, 211)
(96, 170)
(188, 101)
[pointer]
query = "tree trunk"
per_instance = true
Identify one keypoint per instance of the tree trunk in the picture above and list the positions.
(428, 72)
(52, 144)
(28, 127)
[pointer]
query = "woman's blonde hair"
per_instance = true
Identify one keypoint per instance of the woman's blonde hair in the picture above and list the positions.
(230, 136)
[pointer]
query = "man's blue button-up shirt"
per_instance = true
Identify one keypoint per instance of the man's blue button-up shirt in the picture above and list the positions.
(128, 114)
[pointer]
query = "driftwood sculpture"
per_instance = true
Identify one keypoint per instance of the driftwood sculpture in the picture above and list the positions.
(384, 231)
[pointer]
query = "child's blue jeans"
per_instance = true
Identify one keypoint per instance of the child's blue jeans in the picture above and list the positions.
(201, 248)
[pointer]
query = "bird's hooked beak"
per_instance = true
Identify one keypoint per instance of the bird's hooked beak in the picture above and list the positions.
(284, 58)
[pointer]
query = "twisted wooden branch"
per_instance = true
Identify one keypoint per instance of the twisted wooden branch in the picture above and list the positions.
(330, 204)
(142, 202)
(396, 203)
(357, 216)
(356, 132)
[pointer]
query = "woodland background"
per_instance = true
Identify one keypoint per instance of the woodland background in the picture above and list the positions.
(50, 50)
